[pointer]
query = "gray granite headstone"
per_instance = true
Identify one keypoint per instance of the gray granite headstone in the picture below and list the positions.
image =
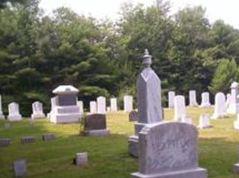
(169, 150)
(5, 142)
(133, 116)
(20, 168)
(28, 139)
(67, 100)
(81, 159)
(48, 137)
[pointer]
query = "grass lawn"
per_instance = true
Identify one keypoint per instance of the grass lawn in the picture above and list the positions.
(108, 156)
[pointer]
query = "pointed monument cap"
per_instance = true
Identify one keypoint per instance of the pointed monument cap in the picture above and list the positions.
(147, 59)
(65, 89)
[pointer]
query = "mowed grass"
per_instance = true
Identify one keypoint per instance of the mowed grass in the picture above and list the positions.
(108, 156)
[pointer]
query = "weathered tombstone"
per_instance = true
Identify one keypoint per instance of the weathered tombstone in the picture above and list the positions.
(80, 104)
(28, 139)
(113, 105)
(171, 95)
(220, 106)
(48, 137)
(66, 109)
(53, 105)
(233, 105)
(179, 108)
(1, 113)
(192, 98)
(205, 100)
(95, 125)
(81, 159)
(37, 110)
(204, 122)
(133, 116)
(169, 150)
(128, 103)
(228, 100)
(20, 168)
(93, 107)
(101, 105)
(5, 142)
(13, 112)
(149, 101)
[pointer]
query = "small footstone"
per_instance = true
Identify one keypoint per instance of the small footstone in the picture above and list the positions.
(81, 159)
(28, 139)
(5, 142)
(48, 137)
(20, 168)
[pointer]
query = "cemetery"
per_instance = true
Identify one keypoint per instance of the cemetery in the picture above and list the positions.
(152, 95)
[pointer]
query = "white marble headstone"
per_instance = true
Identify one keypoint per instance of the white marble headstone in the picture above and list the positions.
(233, 104)
(37, 110)
(179, 108)
(113, 105)
(171, 95)
(128, 103)
(1, 113)
(93, 107)
(13, 112)
(220, 106)
(205, 100)
(204, 121)
(192, 98)
(80, 104)
(101, 105)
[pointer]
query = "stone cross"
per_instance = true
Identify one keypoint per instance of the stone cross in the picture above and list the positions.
(128, 103)
(205, 100)
(101, 105)
(220, 106)
(192, 98)
(171, 95)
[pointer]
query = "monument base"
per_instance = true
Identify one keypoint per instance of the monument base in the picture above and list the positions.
(236, 168)
(133, 145)
(14, 117)
(38, 116)
(192, 173)
(102, 132)
(65, 118)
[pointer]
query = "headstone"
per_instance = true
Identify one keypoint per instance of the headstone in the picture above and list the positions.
(5, 142)
(113, 105)
(236, 168)
(66, 109)
(171, 95)
(179, 108)
(108, 109)
(53, 105)
(169, 150)
(192, 98)
(80, 104)
(93, 107)
(220, 106)
(233, 107)
(133, 116)
(48, 137)
(204, 122)
(20, 168)
(128, 103)
(95, 125)
(101, 105)
(149, 101)
(28, 139)
(81, 159)
(205, 100)
(13, 112)
(1, 113)
(7, 125)
(228, 100)
(37, 110)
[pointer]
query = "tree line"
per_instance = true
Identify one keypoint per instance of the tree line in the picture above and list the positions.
(101, 57)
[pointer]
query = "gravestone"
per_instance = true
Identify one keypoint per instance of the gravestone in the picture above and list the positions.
(20, 168)
(101, 105)
(7, 125)
(236, 168)
(1, 113)
(204, 122)
(48, 137)
(205, 100)
(179, 108)
(128, 103)
(220, 106)
(95, 125)
(169, 150)
(149, 101)
(13, 112)
(228, 100)
(93, 107)
(37, 110)
(171, 95)
(28, 139)
(66, 109)
(193, 98)
(81, 159)
(233, 105)
(53, 105)
(113, 105)
(80, 104)
(133, 116)
(5, 142)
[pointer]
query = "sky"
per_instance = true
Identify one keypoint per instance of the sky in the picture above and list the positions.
(227, 10)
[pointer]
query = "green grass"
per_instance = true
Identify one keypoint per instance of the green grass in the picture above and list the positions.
(108, 156)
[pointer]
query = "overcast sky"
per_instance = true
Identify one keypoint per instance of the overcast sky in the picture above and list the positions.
(227, 10)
